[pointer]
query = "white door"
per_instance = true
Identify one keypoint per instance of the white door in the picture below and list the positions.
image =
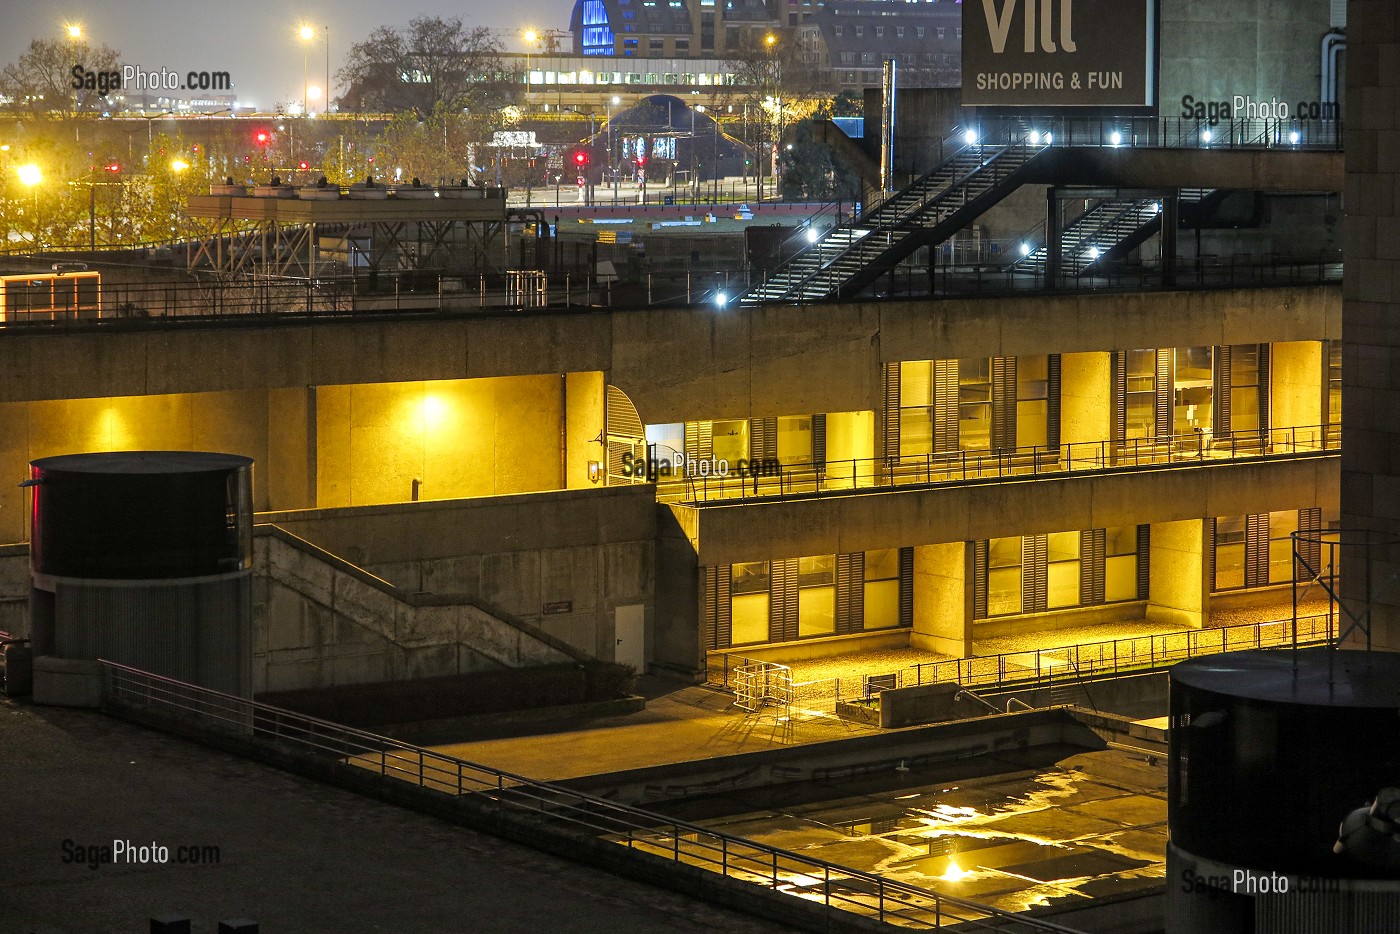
(630, 628)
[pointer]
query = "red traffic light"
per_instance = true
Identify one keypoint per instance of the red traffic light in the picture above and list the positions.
(641, 160)
(581, 157)
(303, 166)
(262, 137)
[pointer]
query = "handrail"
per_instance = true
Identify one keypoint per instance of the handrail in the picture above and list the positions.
(1048, 665)
(1116, 656)
(856, 475)
(988, 166)
(839, 887)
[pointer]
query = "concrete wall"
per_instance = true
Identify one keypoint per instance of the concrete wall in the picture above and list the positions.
(729, 534)
(1178, 592)
(233, 422)
(592, 549)
(1371, 354)
(319, 622)
(1298, 390)
(676, 364)
(459, 437)
(1261, 48)
(943, 598)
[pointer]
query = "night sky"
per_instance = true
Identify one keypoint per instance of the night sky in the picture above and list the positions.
(254, 40)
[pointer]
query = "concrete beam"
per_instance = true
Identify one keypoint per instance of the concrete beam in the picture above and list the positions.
(728, 534)
(678, 364)
(1214, 167)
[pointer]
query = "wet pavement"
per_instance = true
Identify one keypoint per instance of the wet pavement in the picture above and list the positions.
(1072, 826)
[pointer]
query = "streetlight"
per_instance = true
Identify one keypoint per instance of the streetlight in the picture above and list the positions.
(612, 161)
(307, 34)
(74, 30)
(30, 177)
(530, 37)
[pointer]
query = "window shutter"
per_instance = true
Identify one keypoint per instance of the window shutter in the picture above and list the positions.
(699, 440)
(709, 604)
(906, 586)
(1052, 403)
(1211, 540)
(1119, 396)
(850, 592)
(1256, 549)
(980, 560)
(1144, 563)
(945, 405)
(718, 610)
(891, 410)
(782, 600)
(1035, 559)
(1003, 403)
(1220, 412)
(1092, 544)
(1265, 388)
(763, 439)
(1310, 520)
(1166, 390)
(819, 444)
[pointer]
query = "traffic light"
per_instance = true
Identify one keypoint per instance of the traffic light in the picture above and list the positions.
(261, 137)
(303, 165)
(581, 158)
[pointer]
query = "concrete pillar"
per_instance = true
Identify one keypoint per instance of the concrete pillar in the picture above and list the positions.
(1371, 302)
(290, 470)
(583, 426)
(850, 436)
(1297, 390)
(1086, 409)
(943, 598)
(1177, 590)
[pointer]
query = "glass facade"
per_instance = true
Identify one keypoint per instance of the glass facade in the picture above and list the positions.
(1245, 390)
(1061, 570)
(1004, 576)
(975, 404)
(1141, 397)
(816, 596)
(1193, 389)
(882, 589)
(749, 602)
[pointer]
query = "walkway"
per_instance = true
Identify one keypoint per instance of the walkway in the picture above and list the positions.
(293, 854)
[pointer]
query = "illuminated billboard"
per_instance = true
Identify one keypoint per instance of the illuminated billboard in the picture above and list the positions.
(1059, 53)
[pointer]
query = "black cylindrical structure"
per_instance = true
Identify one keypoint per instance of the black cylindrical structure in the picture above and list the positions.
(145, 558)
(141, 514)
(1270, 751)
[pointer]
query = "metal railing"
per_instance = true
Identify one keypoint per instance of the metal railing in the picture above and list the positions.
(873, 474)
(511, 797)
(1116, 656)
(1073, 662)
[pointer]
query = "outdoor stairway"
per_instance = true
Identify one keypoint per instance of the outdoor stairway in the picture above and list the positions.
(847, 258)
(1113, 227)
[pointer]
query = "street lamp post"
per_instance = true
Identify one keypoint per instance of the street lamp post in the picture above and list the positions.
(307, 34)
(612, 160)
(30, 176)
(530, 37)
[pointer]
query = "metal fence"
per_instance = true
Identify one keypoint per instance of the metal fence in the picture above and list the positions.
(1117, 656)
(513, 797)
(1045, 666)
(847, 476)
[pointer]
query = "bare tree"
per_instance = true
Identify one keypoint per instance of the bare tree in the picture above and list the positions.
(43, 79)
(433, 62)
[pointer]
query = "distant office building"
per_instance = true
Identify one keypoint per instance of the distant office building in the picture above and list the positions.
(844, 43)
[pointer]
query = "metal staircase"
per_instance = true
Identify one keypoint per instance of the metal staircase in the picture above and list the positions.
(847, 258)
(1107, 230)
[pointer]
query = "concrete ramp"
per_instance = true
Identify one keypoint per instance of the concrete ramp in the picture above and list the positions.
(322, 621)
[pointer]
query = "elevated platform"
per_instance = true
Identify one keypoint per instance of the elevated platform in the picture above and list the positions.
(412, 205)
